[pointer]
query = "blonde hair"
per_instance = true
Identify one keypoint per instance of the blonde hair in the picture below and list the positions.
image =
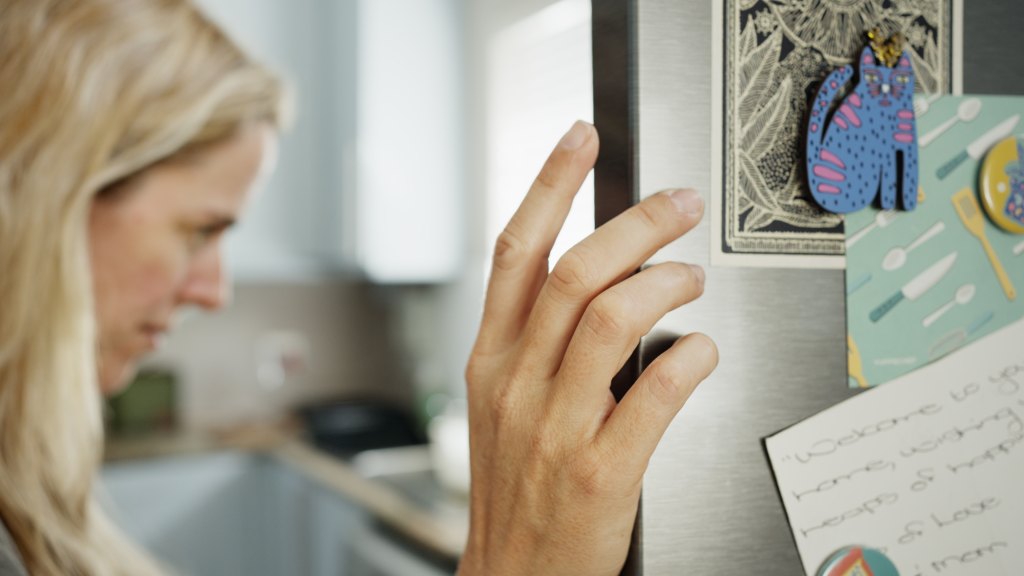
(95, 91)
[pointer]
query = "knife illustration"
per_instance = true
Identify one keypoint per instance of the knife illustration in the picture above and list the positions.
(981, 145)
(915, 288)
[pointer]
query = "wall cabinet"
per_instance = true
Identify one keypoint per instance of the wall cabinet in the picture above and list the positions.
(369, 180)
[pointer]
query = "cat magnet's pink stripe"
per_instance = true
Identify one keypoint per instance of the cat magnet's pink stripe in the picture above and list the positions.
(850, 115)
(905, 126)
(905, 114)
(828, 173)
(832, 158)
(854, 99)
(841, 122)
(828, 189)
(904, 138)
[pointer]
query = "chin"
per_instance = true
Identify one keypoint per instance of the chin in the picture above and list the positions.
(116, 376)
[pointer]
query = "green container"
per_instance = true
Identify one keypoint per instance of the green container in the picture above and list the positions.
(148, 405)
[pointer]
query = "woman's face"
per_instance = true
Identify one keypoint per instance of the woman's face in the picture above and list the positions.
(155, 246)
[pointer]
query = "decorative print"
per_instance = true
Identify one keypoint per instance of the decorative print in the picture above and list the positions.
(920, 303)
(1014, 207)
(1002, 184)
(917, 287)
(773, 58)
(970, 214)
(978, 146)
(865, 146)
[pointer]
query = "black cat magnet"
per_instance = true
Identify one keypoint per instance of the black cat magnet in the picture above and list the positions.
(866, 144)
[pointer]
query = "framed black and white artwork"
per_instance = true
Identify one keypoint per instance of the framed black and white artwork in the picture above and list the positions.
(768, 58)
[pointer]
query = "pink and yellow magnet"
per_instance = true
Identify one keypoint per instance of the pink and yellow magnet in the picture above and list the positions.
(1002, 184)
(858, 561)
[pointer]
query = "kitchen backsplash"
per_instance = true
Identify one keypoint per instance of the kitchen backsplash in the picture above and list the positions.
(281, 345)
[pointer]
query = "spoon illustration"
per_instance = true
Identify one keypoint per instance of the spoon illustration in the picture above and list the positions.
(882, 219)
(964, 294)
(967, 111)
(897, 257)
(922, 103)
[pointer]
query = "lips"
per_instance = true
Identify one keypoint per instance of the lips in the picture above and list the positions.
(154, 334)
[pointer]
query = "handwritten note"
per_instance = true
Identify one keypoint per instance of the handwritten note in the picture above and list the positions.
(928, 468)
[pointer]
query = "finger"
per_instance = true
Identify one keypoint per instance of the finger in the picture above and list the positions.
(609, 330)
(611, 253)
(637, 424)
(521, 253)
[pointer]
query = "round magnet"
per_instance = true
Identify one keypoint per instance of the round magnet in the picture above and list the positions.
(858, 561)
(1002, 184)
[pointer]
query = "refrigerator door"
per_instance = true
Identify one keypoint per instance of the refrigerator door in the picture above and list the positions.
(709, 503)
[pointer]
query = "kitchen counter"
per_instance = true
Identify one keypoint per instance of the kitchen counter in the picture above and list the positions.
(439, 527)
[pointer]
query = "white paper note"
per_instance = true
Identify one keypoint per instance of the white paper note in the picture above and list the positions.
(928, 468)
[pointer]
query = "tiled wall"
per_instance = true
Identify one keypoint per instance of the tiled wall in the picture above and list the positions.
(356, 348)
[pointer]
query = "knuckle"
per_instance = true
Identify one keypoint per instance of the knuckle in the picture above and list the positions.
(572, 275)
(509, 250)
(544, 445)
(589, 474)
(650, 214)
(549, 176)
(474, 371)
(503, 406)
(666, 384)
(607, 313)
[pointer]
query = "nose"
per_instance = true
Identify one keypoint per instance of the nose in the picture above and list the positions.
(207, 284)
(885, 88)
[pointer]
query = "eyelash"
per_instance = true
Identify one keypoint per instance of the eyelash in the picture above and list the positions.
(201, 236)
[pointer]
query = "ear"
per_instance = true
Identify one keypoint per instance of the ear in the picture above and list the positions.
(867, 57)
(904, 62)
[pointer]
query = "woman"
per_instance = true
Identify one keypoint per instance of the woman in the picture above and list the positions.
(131, 132)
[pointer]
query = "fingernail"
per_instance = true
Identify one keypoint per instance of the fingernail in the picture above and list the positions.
(688, 201)
(576, 136)
(698, 271)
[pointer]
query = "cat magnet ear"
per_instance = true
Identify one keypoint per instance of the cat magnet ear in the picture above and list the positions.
(867, 57)
(904, 60)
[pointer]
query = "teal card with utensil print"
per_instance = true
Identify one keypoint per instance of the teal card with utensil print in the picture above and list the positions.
(922, 284)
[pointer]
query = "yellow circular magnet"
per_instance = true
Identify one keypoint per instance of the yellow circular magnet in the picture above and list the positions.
(1002, 184)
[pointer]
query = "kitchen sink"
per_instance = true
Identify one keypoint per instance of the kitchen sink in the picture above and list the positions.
(409, 471)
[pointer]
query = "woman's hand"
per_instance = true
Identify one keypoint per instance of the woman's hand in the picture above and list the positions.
(556, 463)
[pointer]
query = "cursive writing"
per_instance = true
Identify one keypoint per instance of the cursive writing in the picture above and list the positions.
(957, 433)
(1008, 379)
(965, 392)
(867, 507)
(989, 455)
(828, 446)
(967, 557)
(975, 509)
(825, 485)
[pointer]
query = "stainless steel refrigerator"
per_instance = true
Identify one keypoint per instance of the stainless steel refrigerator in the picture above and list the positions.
(709, 503)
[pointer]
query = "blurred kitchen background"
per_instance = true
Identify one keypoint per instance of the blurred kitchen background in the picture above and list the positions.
(316, 426)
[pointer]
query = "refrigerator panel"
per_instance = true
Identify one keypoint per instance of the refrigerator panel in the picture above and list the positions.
(709, 504)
